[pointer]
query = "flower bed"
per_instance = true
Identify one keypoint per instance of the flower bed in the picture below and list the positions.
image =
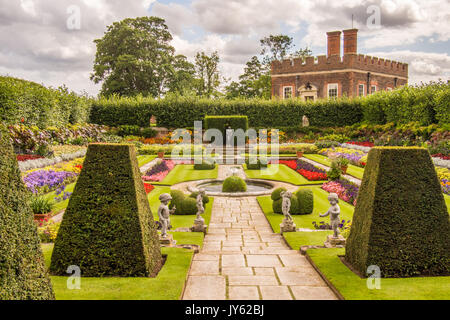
(362, 144)
(26, 157)
(44, 181)
(441, 156)
(346, 190)
(306, 169)
(161, 169)
(354, 156)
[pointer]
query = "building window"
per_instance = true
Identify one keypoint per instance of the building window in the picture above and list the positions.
(361, 90)
(287, 92)
(332, 90)
(373, 89)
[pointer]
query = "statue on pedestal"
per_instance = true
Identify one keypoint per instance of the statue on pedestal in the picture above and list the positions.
(164, 213)
(199, 222)
(333, 212)
(287, 225)
(305, 121)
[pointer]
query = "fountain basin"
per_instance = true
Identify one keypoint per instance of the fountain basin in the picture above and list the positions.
(255, 187)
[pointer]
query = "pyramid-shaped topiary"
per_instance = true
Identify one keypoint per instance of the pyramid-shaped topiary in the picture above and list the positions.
(108, 228)
(400, 222)
(22, 269)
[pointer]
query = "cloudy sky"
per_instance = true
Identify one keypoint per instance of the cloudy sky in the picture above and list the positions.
(44, 41)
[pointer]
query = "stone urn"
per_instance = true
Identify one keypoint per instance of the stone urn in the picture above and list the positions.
(160, 154)
(344, 169)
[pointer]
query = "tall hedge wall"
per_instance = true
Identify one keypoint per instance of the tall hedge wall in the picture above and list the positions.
(400, 223)
(425, 104)
(23, 275)
(108, 228)
(40, 106)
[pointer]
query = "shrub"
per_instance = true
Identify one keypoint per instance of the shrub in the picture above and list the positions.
(188, 206)
(276, 194)
(255, 166)
(148, 133)
(40, 205)
(323, 144)
(400, 221)
(335, 171)
(205, 197)
(129, 130)
(23, 274)
(205, 165)
(234, 184)
(305, 201)
(177, 199)
(108, 227)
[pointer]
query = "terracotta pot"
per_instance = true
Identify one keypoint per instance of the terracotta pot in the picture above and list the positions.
(299, 154)
(344, 169)
(38, 217)
(161, 154)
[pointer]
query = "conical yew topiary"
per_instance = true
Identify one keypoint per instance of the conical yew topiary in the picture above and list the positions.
(108, 228)
(23, 274)
(401, 223)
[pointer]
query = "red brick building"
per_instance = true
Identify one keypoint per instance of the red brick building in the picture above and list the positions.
(335, 76)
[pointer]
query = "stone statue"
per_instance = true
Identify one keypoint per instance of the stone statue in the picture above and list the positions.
(200, 207)
(164, 213)
(287, 225)
(333, 212)
(229, 136)
(305, 121)
(286, 204)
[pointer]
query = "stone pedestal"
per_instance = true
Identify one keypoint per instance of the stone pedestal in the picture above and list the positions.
(167, 241)
(333, 242)
(199, 225)
(287, 226)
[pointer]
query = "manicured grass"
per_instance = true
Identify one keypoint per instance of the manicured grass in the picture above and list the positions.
(352, 170)
(298, 239)
(280, 172)
(144, 159)
(354, 288)
(186, 172)
(180, 221)
(269, 155)
(168, 285)
(321, 205)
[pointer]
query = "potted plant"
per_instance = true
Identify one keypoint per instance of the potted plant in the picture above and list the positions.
(161, 153)
(299, 153)
(343, 163)
(41, 207)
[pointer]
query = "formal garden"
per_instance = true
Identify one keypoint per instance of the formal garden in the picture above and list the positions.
(90, 183)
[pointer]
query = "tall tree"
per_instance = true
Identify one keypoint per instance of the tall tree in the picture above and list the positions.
(275, 47)
(135, 57)
(207, 73)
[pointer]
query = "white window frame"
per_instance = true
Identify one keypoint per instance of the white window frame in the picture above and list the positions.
(333, 86)
(363, 90)
(284, 92)
(371, 88)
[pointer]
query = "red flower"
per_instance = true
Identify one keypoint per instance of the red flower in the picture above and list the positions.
(148, 188)
(22, 120)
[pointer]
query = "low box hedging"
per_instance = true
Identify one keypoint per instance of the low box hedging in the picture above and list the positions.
(108, 227)
(400, 223)
(305, 201)
(185, 205)
(23, 275)
(205, 165)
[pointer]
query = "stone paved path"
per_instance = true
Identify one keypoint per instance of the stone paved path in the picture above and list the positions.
(242, 259)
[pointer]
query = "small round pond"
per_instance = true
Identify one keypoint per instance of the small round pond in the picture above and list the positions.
(254, 188)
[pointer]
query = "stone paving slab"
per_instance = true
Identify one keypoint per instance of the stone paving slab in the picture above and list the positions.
(243, 259)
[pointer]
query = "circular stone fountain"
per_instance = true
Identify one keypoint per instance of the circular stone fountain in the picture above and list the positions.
(213, 187)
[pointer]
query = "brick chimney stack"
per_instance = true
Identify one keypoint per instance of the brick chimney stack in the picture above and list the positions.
(334, 43)
(350, 41)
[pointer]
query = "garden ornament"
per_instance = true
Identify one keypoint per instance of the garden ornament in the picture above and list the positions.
(333, 212)
(200, 207)
(286, 204)
(164, 213)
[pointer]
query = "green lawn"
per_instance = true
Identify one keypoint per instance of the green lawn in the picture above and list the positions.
(143, 160)
(352, 170)
(353, 287)
(186, 172)
(282, 173)
(447, 202)
(168, 285)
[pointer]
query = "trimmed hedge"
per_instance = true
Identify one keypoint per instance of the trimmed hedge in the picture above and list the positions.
(277, 206)
(108, 227)
(400, 221)
(185, 205)
(23, 275)
(221, 123)
(40, 106)
(234, 184)
(305, 201)
(276, 194)
(205, 165)
(255, 166)
(205, 197)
